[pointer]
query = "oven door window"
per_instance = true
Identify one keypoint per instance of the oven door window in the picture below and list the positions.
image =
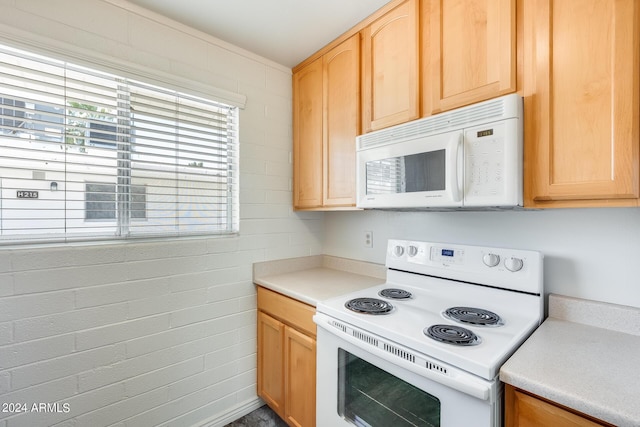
(407, 174)
(371, 397)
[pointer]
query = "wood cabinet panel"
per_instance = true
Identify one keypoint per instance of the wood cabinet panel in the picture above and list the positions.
(307, 136)
(287, 357)
(471, 54)
(341, 67)
(582, 90)
(524, 410)
(390, 68)
(326, 106)
(271, 362)
(300, 362)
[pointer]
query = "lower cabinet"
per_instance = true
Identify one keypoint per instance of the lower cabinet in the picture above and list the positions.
(271, 362)
(299, 378)
(287, 357)
(526, 410)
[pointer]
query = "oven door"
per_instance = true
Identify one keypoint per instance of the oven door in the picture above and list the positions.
(362, 388)
(416, 173)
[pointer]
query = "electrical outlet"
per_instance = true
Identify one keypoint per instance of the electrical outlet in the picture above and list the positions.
(368, 239)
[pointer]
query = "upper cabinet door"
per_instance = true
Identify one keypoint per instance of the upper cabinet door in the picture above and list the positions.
(582, 90)
(472, 52)
(307, 136)
(390, 74)
(341, 122)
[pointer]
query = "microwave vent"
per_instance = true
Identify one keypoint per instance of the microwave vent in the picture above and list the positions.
(489, 111)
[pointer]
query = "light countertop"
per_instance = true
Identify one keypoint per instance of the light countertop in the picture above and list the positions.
(584, 356)
(316, 278)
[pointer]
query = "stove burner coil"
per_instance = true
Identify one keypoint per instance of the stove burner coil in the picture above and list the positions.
(393, 293)
(473, 316)
(452, 334)
(369, 306)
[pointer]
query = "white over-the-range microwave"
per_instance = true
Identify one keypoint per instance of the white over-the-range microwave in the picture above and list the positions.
(470, 157)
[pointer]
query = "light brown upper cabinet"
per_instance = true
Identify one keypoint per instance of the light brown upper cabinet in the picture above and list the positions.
(390, 68)
(581, 93)
(341, 121)
(307, 136)
(469, 52)
(326, 121)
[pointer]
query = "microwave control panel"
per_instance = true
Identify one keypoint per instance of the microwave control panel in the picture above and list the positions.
(491, 165)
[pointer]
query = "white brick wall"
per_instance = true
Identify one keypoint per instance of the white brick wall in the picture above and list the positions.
(149, 333)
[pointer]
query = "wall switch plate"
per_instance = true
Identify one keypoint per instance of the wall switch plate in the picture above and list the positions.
(368, 239)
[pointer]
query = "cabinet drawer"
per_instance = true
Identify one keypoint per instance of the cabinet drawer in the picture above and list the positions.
(292, 312)
(525, 410)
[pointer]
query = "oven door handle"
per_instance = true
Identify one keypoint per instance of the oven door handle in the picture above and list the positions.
(454, 378)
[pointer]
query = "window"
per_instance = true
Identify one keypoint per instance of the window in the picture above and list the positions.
(87, 154)
(11, 117)
(138, 202)
(100, 201)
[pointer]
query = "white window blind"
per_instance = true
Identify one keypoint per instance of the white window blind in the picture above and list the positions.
(90, 155)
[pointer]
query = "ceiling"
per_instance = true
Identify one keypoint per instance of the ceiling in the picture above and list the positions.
(284, 31)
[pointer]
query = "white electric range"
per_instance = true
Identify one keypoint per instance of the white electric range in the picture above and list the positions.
(437, 331)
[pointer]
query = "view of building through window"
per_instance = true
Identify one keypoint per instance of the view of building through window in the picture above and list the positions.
(90, 154)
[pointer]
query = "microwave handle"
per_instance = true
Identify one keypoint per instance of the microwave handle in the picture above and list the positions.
(454, 177)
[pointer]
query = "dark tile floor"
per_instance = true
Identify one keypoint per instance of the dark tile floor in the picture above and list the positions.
(261, 417)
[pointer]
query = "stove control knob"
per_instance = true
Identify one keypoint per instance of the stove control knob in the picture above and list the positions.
(398, 251)
(491, 260)
(412, 250)
(513, 264)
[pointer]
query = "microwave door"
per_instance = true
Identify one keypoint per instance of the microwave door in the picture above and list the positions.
(421, 172)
